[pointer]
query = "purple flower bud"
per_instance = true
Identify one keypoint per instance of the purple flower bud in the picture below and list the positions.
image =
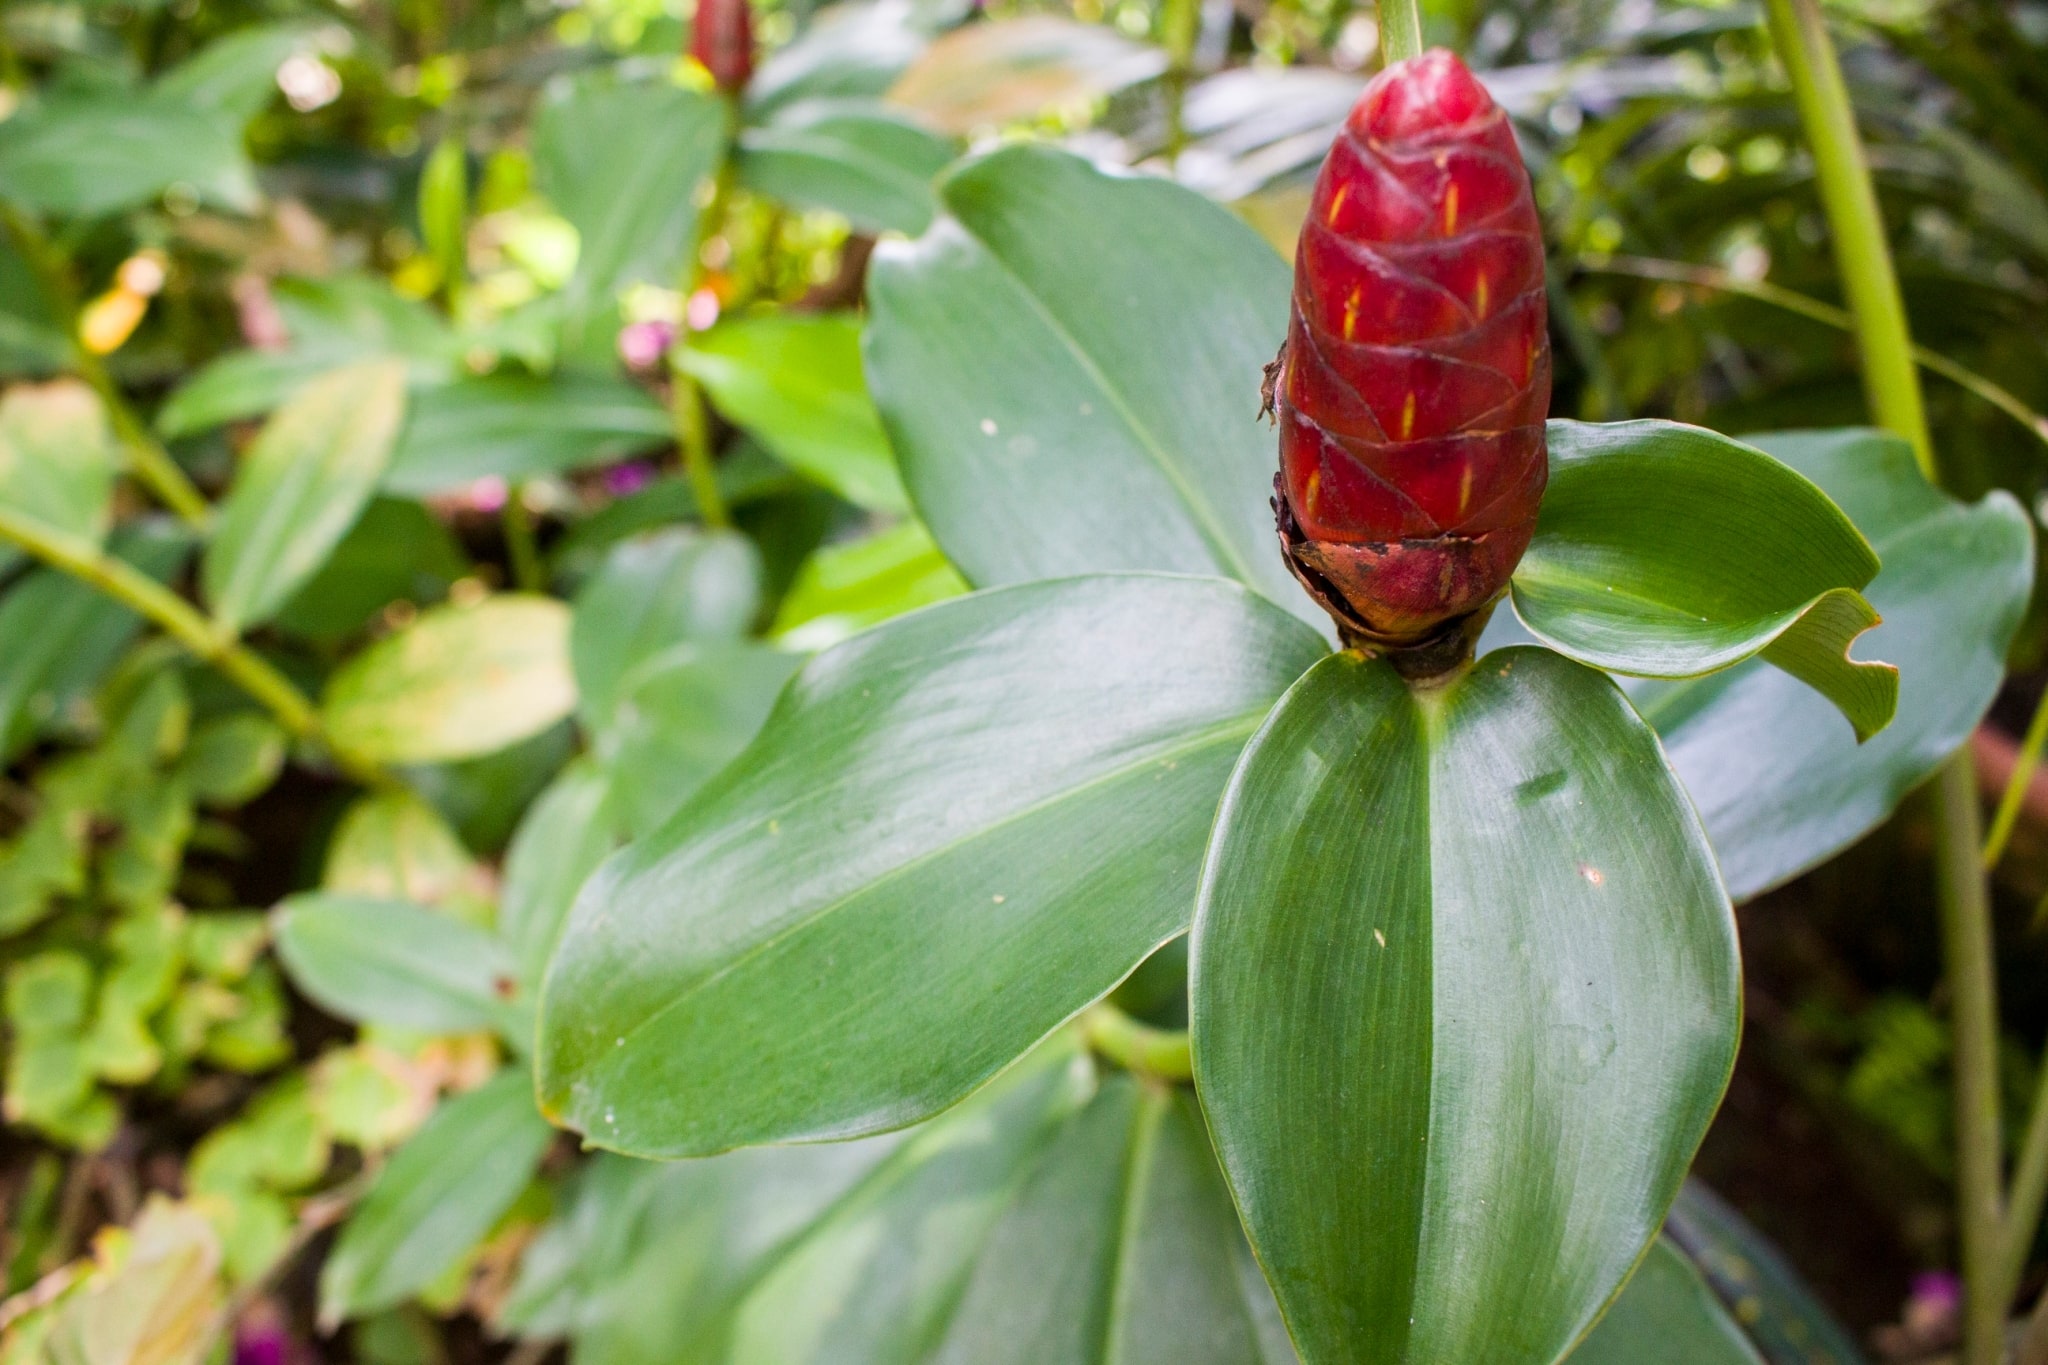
(625, 479)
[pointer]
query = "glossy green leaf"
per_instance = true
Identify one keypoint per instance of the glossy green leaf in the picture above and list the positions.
(794, 381)
(844, 588)
(1123, 1248)
(57, 459)
(623, 163)
(652, 594)
(1465, 995)
(65, 634)
(301, 486)
(958, 869)
(1058, 403)
(566, 833)
(396, 552)
(1779, 782)
(1666, 1314)
(458, 682)
(389, 962)
(1666, 551)
(862, 160)
(684, 715)
(436, 1197)
(87, 153)
(516, 427)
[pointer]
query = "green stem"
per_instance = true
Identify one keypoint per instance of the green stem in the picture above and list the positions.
(1862, 253)
(1400, 30)
(1162, 1054)
(151, 463)
(2029, 1194)
(184, 623)
(520, 547)
(1806, 306)
(1180, 25)
(693, 436)
(2014, 797)
(1892, 385)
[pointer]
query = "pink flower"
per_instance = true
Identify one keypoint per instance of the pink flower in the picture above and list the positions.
(643, 344)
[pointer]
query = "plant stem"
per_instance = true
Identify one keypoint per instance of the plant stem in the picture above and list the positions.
(1180, 24)
(520, 549)
(1792, 301)
(2029, 1193)
(184, 623)
(1162, 1054)
(1862, 253)
(1892, 385)
(2014, 797)
(148, 459)
(1400, 30)
(693, 435)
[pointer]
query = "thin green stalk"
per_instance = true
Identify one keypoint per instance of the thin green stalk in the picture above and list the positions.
(1400, 30)
(1862, 252)
(693, 436)
(1892, 385)
(2014, 797)
(2029, 1194)
(1806, 306)
(1162, 1054)
(150, 462)
(184, 623)
(520, 546)
(1180, 26)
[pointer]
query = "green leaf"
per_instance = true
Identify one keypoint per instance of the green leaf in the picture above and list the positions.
(84, 154)
(683, 716)
(300, 488)
(56, 459)
(957, 870)
(233, 760)
(794, 381)
(1060, 404)
(65, 634)
(458, 682)
(1749, 1275)
(436, 1198)
(388, 962)
(393, 846)
(1123, 1247)
(566, 833)
(654, 593)
(1779, 783)
(444, 207)
(847, 51)
(985, 75)
(860, 159)
(843, 589)
(623, 163)
(396, 552)
(516, 428)
(1433, 924)
(1666, 1314)
(237, 72)
(1670, 551)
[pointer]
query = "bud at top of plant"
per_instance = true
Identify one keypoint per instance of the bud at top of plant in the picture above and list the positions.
(722, 40)
(1416, 377)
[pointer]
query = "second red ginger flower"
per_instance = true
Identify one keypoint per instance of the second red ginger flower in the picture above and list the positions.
(1412, 393)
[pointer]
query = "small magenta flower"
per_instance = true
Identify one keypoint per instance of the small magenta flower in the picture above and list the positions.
(643, 344)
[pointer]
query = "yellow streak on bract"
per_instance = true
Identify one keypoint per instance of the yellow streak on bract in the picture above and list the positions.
(1480, 294)
(1311, 490)
(1408, 415)
(1464, 489)
(1351, 311)
(1336, 203)
(1451, 209)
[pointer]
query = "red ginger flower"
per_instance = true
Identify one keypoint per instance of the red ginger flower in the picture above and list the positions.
(1416, 377)
(722, 39)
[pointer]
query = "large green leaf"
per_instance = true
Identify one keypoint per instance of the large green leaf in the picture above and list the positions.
(652, 594)
(436, 1198)
(303, 483)
(1058, 402)
(794, 381)
(860, 159)
(388, 962)
(1779, 781)
(972, 821)
(57, 459)
(1668, 1315)
(457, 683)
(518, 427)
(1670, 551)
(99, 151)
(1465, 996)
(623, 163)
(565, 834)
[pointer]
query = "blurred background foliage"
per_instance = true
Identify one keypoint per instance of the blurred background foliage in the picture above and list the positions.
(610, 416)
